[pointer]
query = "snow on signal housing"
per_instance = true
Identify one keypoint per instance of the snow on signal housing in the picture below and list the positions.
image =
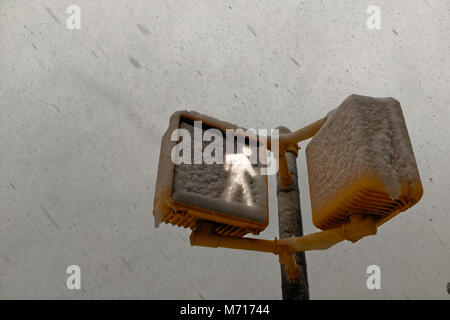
(361, 161)
(179, 209)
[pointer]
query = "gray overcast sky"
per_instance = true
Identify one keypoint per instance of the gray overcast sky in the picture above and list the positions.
(82, 113)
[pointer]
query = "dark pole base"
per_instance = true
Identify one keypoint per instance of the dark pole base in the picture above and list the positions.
(290, 224)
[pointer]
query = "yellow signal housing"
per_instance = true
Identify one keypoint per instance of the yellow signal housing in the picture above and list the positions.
(181, 193)
(361, 161)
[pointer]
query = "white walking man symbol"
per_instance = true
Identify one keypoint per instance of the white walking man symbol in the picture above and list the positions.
(239, 165)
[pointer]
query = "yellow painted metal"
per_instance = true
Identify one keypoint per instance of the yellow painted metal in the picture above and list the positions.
(366, 194)
(357, 227)
(167, 210)
(288, 142)
(285, 174)
(299, 135)
(303, 133)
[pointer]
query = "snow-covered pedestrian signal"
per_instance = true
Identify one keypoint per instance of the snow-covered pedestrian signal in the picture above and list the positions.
(361, 172)
(210, 170)
(361, 161)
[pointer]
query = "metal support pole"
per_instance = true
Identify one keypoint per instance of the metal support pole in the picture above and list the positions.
(290, 224)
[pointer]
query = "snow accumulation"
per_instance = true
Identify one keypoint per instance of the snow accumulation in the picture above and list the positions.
(362, 135)
(215, 186)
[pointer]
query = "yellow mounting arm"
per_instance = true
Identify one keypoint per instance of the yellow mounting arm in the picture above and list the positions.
(289, 142)
(357, 227)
